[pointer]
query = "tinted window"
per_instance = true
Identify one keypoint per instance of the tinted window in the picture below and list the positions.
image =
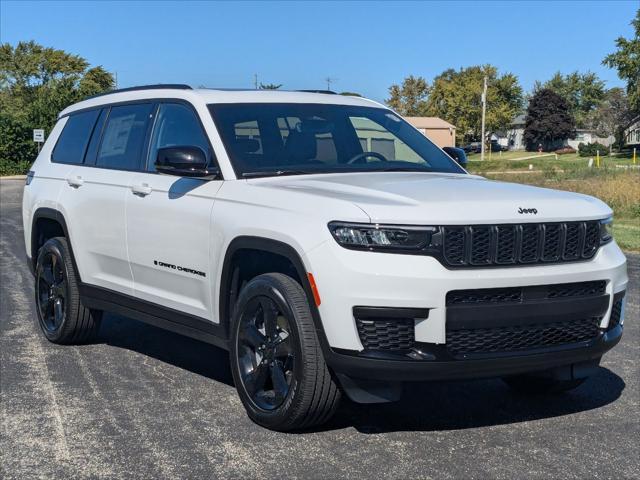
(123, 137)
(74, 138)
(295, 138)
(92, 149)
(176, 125)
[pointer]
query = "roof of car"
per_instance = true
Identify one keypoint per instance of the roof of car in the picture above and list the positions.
(211, 95)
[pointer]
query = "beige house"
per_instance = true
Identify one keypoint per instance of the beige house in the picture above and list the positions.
(439, 132)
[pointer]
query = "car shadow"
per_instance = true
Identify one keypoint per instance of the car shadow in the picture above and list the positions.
(442, 406)
(183, 352)
(433, 406)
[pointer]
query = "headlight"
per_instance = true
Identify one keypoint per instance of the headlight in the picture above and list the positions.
(366, 236)
(606, 230)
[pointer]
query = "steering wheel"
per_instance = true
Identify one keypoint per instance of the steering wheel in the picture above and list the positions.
(363, 155)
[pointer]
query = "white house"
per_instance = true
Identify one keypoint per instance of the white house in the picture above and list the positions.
(513, 137)
(585, 135)
(632, 133)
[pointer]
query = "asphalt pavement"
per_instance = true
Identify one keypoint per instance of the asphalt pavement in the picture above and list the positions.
(144, 403)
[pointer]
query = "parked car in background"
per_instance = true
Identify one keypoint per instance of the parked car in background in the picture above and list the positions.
(473, 147)
(494, 146)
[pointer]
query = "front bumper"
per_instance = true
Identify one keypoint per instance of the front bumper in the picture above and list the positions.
(346, 279)
(363, 366)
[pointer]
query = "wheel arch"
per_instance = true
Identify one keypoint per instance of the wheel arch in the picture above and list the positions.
(229, 286)
(47, 223)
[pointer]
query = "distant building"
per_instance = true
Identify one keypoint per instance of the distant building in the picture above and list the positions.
(586, 135)
(632, 133)
(440, 132)
(513, 137)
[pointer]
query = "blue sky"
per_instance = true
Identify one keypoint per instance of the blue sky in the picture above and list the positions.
(365, 46)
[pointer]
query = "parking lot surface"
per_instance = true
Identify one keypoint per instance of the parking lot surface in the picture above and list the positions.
(144, 403)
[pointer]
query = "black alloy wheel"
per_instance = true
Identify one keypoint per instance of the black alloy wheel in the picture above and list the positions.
(51, 288)
(265, 357)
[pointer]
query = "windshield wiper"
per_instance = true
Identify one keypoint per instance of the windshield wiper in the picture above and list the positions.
(276, 173)
(403, 169)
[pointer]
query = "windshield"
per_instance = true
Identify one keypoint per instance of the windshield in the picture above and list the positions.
(264, 139)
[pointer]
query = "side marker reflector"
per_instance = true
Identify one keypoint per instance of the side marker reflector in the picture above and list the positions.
(314, 289)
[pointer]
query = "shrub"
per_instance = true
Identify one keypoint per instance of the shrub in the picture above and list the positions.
(565, 150)
(590, 149)
(8, 168)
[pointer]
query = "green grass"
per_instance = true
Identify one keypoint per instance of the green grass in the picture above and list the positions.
(509, 162)
(626, 231)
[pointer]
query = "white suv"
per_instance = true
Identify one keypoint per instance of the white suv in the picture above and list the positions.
(326, 243)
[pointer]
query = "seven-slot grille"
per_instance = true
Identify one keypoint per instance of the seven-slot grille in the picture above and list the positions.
(519, 244)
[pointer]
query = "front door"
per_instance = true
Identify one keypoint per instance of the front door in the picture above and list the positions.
(168, 221)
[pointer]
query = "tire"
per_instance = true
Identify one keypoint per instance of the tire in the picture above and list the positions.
(310, 396)
(61, 315)
(529, 384)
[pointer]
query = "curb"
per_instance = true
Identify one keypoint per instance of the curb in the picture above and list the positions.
(14, 177)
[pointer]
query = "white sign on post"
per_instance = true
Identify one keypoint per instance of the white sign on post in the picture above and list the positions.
(38, 135)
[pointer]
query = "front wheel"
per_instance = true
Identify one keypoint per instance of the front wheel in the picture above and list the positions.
(276, 360)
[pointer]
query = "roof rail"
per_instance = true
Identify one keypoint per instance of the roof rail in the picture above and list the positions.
(328, 92)
(158, 86)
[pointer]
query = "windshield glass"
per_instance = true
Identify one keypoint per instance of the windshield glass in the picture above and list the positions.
(264, 139)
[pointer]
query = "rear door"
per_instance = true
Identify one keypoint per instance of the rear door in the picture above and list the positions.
(168, 220)
(94, 197)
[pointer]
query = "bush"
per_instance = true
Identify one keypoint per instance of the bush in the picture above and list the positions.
(8, 168)
(590, 149)
(565, 150)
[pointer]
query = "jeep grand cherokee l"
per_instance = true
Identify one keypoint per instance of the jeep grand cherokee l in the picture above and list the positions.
(326, 243)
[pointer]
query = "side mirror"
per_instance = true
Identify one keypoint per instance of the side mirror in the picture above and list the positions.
(457, 154)
(185, 161)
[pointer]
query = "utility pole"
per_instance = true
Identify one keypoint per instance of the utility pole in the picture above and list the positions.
(484, 112)
(255, 80)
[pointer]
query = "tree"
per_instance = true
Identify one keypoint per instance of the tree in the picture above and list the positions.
(627, 61)
(612, 115)
(409, 99)
(36, 83)
(350, 94)
(549, 122)
(456, 98)
(582, 91)
(270, 86)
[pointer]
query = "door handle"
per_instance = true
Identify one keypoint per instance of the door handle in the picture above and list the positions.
(141, 190)
(75, 182)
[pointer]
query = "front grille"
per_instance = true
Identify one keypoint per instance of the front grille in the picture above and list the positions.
(581, 289)
(519, 244)
(387, 335)
(514, 338)
(518, 294)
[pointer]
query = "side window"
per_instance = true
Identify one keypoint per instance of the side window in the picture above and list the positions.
(74, 138)
(123, 138)
(176, 125)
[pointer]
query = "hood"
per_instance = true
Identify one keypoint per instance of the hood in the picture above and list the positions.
(432, 198)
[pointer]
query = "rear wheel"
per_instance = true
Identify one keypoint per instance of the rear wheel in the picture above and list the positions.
(540, 385)
(276, 359)
(61, 315)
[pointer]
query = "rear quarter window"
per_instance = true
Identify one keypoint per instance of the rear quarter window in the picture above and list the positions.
(72, 143)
